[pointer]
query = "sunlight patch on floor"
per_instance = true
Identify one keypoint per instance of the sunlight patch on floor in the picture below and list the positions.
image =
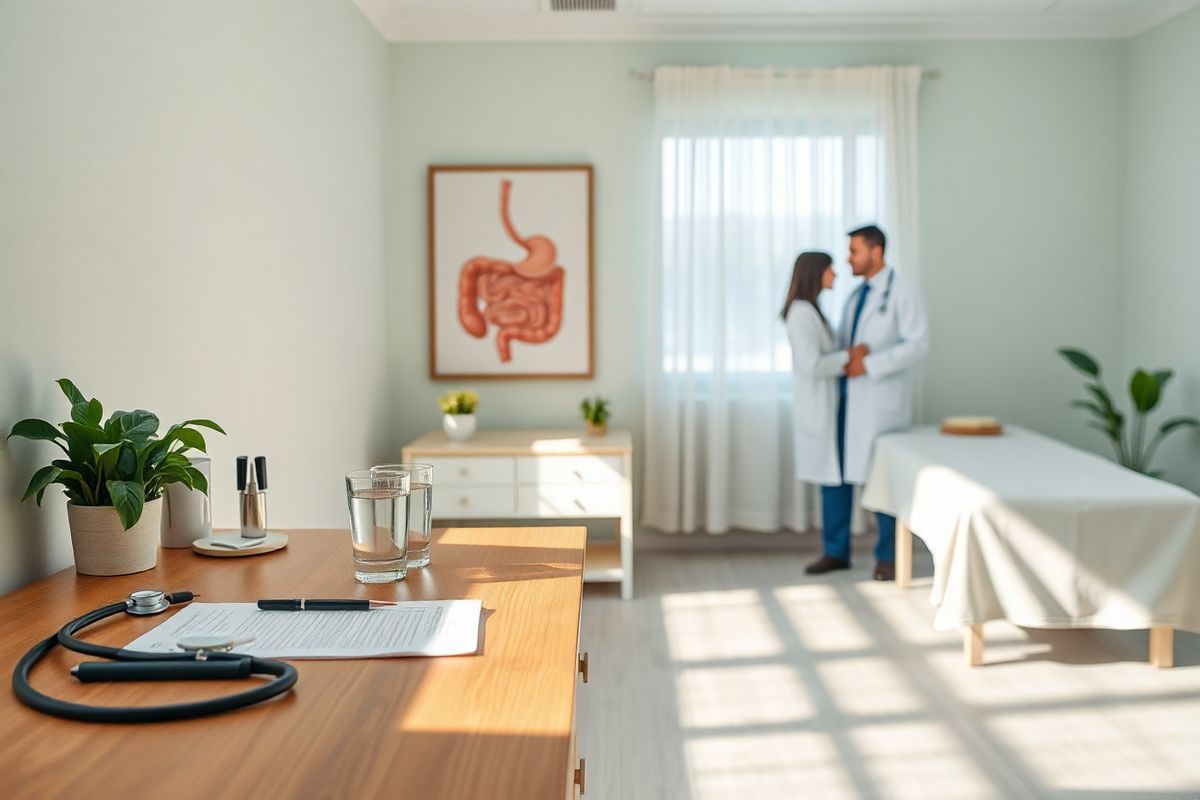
(710, 626)
(732, 697)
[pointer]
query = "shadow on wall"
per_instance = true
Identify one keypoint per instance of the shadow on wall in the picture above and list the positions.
(24, 535)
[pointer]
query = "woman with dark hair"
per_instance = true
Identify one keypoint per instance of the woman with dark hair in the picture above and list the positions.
(817, 364)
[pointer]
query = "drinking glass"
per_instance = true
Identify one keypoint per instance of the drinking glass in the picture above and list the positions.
(420, 509)
(378, 501)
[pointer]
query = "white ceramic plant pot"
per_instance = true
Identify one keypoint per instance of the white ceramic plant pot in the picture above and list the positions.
(458, 427)
(102, 548)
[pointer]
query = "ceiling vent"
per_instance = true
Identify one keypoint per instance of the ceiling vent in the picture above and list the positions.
(583, 5)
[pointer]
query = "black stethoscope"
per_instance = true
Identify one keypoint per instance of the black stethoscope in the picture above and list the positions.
(205, 658)
(887, 292)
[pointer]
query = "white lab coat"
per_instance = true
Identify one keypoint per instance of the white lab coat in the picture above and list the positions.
(816, 364)
(882, 400)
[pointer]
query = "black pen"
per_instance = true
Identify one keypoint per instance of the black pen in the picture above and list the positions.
(322, 605)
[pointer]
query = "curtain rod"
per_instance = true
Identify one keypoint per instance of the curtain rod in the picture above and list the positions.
(638, 75)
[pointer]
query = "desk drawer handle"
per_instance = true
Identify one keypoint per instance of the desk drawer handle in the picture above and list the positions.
(581, 776)
(583, 667)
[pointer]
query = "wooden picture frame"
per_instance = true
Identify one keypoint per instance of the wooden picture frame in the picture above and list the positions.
(510, 272)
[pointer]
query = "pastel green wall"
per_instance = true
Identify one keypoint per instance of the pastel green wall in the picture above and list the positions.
(1161, 269)
(1021, 154)
(192, 221)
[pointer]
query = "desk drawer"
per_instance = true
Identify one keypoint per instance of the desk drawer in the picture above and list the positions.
(568, 500)
(471, 470)
(569, 469)
(472, 501)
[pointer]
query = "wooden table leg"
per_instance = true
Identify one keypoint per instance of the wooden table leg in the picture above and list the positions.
(1162, 647)
(903, 555)
(973, 645)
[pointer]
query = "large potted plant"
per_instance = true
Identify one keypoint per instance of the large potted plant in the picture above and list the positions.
(113, 476)
(1131, 444)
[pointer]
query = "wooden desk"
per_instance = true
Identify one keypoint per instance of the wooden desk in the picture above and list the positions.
(496, 725)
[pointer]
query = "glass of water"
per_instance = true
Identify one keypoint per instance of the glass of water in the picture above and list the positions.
(420, 509)
(378, 501)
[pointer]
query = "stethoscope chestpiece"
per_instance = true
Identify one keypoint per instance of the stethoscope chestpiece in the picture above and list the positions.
(147, 601)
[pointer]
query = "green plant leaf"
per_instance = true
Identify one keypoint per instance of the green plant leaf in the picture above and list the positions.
(128, 499)
(190, 438)
(1081, 361)
(80, 439)
(88, 413)
(138, 425)
(199, 482)
(1144, 390)
(1176, 423)
(73, 394)
(1161, 377)
(40, 480)
(205, 423)
(36, 429)
(106, 458)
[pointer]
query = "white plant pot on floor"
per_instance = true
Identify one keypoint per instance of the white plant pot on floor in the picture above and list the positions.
(458, 427)
(103, 548)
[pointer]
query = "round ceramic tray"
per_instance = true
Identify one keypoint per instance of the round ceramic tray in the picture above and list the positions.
(271, 542)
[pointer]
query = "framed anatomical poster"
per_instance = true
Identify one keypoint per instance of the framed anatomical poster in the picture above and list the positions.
(510, 272)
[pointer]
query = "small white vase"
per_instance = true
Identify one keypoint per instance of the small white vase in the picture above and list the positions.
(187, 513)
(458, 427)
(103, 548)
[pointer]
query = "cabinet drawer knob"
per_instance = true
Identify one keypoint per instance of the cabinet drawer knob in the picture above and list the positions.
(463, 472)
(464, 501)
(583, 667)
(581, 776)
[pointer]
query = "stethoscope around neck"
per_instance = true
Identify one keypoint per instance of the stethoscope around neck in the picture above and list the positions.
(887, 291)
(205, 658)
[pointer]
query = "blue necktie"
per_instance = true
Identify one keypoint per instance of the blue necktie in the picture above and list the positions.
(862, 301)
(858, 309)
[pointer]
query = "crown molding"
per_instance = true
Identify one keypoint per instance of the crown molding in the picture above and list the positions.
(624, 26)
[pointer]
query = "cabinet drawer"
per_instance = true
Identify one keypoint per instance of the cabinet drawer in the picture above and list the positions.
(471, 470)
(472, 501)
(568, 500)
(569, 469)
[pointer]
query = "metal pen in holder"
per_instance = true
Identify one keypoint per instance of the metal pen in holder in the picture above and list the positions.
(252, 495)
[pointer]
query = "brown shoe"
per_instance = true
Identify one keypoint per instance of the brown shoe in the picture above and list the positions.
(885, 570)
(826, 564)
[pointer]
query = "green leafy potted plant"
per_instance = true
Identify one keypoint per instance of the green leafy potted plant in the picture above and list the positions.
(113, 476)
(595, 414)
(1129, 442)
(458, 414)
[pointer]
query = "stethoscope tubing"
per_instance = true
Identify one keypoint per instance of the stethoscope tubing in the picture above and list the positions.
(285, 676)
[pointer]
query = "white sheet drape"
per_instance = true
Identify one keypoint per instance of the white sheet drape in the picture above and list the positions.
(756, 166)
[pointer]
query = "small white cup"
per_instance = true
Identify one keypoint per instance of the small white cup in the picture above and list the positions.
(187, 514)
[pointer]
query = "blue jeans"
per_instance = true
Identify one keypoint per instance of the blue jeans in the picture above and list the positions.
(837, 505)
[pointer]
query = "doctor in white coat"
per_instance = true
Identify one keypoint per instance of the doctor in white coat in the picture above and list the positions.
(817, 364)
(885, 332)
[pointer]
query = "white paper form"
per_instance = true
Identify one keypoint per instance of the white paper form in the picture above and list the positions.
(416, 628)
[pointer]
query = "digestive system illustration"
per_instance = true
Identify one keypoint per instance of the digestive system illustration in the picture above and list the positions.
(523, 300)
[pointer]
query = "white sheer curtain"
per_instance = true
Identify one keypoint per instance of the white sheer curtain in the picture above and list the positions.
(756, 166)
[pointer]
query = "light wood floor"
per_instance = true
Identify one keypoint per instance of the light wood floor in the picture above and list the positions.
(733, 675)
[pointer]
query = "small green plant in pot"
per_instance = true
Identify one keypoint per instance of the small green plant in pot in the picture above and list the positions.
(113, 476)
(458, 414)
(1130, 443)
(595, 414)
